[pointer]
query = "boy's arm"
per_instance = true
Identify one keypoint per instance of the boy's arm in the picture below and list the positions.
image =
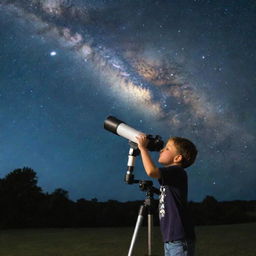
(150, 168)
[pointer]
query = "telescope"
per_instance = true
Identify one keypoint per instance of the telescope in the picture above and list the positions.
(155, 143)
(120, 128)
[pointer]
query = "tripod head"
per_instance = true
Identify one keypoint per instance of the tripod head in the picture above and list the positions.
(147, 185)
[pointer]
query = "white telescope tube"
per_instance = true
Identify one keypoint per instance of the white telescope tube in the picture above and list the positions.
(128, 132)
(120, 128)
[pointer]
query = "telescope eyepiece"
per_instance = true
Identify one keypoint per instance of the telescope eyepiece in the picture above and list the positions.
(155, 143)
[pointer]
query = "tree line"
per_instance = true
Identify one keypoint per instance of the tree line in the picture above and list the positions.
(23, 204)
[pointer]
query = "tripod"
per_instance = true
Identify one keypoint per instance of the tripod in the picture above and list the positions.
(145, 185)
(146, 206)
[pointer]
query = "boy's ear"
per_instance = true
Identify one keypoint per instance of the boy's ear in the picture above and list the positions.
(178, 158)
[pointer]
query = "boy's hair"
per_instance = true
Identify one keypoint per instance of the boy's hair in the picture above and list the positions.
(187, 149)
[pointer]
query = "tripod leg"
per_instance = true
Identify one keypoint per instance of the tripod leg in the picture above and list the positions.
(150, 224)
(136, 230)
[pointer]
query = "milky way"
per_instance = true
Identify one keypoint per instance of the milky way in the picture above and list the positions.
(147, 66)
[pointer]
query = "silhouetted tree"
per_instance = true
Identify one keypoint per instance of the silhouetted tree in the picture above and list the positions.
(60, 209)
(20, 198)
(23, 204)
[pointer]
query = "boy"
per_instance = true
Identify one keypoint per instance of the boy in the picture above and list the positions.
(176, 227)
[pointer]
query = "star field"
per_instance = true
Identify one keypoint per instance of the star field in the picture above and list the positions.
(171, 68)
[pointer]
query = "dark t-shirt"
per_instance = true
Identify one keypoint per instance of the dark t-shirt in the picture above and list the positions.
(175, 220)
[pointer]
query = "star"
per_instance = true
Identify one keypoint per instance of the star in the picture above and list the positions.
(53, 53)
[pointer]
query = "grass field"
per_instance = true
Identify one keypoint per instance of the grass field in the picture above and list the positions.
(226, 240)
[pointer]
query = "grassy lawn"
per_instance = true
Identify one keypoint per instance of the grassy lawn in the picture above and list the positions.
(235, 240)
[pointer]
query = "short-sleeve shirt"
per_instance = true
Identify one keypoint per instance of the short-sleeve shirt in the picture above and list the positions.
(175, 221)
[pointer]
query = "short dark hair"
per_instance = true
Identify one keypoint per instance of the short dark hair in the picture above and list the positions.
(187, 149)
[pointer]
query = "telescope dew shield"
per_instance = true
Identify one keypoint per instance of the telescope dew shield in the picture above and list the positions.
(118, 127)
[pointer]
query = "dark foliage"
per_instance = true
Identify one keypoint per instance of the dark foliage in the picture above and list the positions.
(23, 205)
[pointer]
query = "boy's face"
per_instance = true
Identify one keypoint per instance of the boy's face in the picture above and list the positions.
(169, 155)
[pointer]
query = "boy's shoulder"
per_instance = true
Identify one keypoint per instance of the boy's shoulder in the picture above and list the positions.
(173, 176)
(172, 168)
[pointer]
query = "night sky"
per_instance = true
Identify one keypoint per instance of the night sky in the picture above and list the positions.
(172, 68)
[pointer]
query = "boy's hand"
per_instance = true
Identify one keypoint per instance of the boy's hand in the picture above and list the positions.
(142, 141)
(150, 168)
